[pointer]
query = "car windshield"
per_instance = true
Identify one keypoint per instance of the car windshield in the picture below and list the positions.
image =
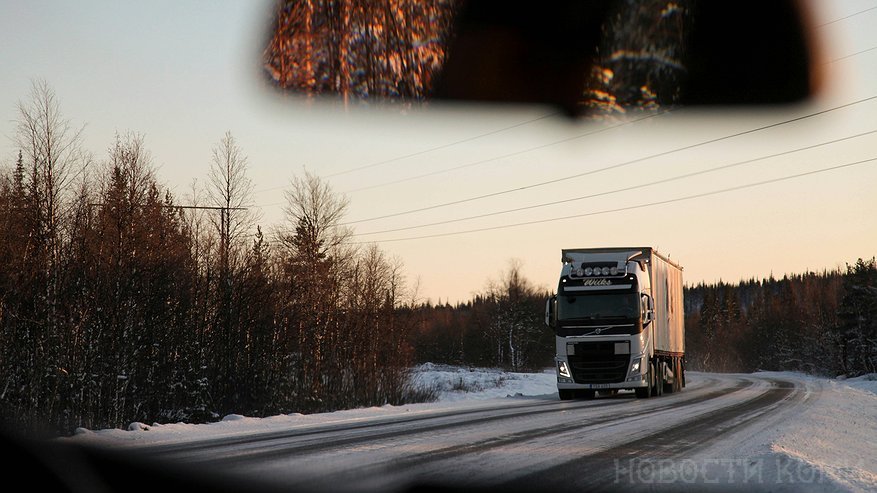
(316, 244)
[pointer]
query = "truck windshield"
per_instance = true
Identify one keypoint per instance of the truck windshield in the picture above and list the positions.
(594, 305)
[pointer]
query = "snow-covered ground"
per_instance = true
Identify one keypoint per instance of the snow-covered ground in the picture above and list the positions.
(867, 383)
(458, 387)
(458, 383)
(828, 437)
(834, 431)
(827, 441)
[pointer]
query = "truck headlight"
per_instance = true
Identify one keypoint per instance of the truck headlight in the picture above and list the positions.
(637, 365)
(563, 370)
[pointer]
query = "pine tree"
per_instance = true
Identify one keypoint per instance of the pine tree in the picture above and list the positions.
(858, 318)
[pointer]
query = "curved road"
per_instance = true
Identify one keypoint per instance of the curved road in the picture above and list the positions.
(542, 443)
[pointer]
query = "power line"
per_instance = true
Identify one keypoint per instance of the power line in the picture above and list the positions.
(614, 166)
(425, 151)
(443, 146)
(846, 17)
(511, 154)
(619, 190)
(850, 55)
(166, 206)
(483, 161)
(272, 204)
(632, 207)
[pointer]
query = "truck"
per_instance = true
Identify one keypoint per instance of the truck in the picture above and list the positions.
(619, 323)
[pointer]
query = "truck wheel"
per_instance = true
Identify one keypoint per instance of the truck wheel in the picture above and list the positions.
(645, 392)
(658, 385)
(669, 388)
(678, 372)
(565, 394)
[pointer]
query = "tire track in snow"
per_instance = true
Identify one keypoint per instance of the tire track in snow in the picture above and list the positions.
(214, 444)
(403, 465)
(315, 441)
(264, 445)
(600, 471)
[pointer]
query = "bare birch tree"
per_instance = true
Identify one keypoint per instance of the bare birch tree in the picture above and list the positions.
(230, 192)
(51, 152)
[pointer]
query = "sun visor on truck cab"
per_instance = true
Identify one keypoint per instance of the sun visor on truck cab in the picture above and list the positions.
(603, 255)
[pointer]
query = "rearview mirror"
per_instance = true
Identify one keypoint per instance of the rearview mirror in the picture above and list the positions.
(585, 57)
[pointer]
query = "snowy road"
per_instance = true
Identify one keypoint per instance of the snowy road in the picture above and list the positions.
(712, 433)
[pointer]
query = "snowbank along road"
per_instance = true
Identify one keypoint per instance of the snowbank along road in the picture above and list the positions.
(725, 431)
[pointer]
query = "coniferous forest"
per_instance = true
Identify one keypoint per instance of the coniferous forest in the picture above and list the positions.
(120, 302)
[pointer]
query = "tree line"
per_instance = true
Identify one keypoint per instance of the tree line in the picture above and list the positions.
(120, 303)
(818, 323)
(501, 327)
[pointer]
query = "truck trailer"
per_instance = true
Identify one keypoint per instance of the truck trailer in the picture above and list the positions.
(619, 323)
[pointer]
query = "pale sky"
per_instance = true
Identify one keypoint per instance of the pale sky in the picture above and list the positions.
(183, 73)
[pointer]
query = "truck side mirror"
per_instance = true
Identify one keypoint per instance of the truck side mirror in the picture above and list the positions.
(550, 312)
(648, 309)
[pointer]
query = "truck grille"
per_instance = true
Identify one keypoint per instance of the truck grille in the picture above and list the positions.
(596, 362)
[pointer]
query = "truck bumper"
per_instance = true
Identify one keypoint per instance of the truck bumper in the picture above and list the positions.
(631, 383)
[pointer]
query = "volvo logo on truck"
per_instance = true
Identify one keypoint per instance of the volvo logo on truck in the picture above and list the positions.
(625, 332)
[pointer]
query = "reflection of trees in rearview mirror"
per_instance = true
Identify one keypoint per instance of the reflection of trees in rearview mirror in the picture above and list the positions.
(365, 50)
(640, 62)
(393, 51)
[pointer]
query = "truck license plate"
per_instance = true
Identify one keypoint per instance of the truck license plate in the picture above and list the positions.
(599, 385)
